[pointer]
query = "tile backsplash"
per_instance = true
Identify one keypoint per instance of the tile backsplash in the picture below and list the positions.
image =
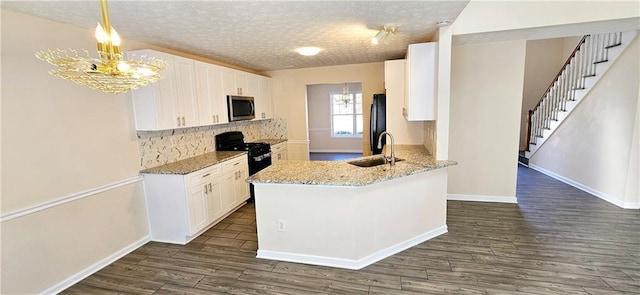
(161, 147)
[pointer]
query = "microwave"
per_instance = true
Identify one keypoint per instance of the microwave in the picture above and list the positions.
(241, 107)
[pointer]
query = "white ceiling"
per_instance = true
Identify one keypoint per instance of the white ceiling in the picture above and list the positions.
(261, 35)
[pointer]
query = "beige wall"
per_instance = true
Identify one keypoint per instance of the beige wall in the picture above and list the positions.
(594, 147)
(544, 58)
(437, 133)
(289, 90)
(486, 97)
(319, 104)
(514, 15)
(60, 139)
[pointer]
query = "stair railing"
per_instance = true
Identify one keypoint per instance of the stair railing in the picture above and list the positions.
(591, 50)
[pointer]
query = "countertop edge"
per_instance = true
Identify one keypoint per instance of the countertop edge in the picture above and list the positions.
(206, 164)
(439, 165)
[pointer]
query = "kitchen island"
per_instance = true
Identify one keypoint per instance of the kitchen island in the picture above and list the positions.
(341, 215)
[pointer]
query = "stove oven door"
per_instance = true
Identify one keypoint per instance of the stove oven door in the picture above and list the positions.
(257, 163)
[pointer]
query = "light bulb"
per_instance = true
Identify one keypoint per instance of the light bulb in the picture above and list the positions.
(101, 35)
(123, 66)
(144, 72)
(379, 36)
(115, 38)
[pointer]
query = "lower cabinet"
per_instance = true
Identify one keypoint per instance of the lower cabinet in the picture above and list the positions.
(180, 207)
(235, 190)
(279, 152)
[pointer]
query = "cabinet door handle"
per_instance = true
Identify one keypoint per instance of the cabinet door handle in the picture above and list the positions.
(178, 121)
(183, 124)
(203, 176)
(210, 190)
(205, 189)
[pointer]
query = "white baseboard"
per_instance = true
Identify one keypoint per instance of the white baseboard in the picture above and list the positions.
(582, 187)
(351, 263)
(70, 281)
(482, 198)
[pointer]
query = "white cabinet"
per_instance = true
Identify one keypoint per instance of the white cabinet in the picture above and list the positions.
(235, 189)
(186, 107)
(180, 207)
(421, 72)
(264, 106)
(253, 85)
(279, 152)
(235, 83)
(170, 102)
(211, 100)
(197, 205)
(404, 132)
(154, 104)
(193, 93)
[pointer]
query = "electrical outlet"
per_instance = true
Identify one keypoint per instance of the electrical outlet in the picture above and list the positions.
(282, 225)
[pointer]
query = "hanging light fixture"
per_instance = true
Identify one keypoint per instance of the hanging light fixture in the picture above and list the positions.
(384, 35)
(345, 97)
(110, 72)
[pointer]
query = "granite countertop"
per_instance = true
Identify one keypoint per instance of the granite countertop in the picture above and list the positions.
(193, 164)
(416, 160)
(271, 141)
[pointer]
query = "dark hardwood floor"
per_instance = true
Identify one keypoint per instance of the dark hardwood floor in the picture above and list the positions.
(557, 240)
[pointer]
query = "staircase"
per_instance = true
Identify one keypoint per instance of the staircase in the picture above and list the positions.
(593, 56)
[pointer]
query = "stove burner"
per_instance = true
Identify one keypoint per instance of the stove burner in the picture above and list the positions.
(259, 152)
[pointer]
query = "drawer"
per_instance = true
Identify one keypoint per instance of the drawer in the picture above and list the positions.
(215, 170)
(278, 147)
(233, 164)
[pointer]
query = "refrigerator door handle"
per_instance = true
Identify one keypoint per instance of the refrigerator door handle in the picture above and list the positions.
(372, 128)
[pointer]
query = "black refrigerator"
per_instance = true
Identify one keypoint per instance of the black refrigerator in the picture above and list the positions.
(378, 120)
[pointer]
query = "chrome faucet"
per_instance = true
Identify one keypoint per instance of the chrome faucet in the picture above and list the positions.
(392, 158)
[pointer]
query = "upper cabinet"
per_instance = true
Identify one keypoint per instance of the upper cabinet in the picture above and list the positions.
(421, 72)
(154, 104)
(212, 106)
(193, 93)
(236, 83)
(170, 102)
(264, 105)
(185, 102)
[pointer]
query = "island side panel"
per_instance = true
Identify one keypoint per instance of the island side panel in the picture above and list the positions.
(349, 227)
(319, 220)
(395, 215)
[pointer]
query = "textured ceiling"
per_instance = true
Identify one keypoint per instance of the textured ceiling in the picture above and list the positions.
(261, 35)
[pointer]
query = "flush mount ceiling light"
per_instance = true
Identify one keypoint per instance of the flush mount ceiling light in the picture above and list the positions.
(110, 72)
(384, 35)
(443, 23)
(308, 51)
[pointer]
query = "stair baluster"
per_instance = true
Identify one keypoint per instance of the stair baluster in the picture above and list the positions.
(591, 50)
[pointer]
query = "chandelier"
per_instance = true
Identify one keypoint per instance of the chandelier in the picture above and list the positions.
(110, 72)
(345, 98)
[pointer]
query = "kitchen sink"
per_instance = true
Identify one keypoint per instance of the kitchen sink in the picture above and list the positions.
(371, 162)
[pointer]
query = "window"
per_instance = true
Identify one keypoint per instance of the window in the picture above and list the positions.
(346, 115)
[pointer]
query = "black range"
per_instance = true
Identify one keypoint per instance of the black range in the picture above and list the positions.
(258, 153)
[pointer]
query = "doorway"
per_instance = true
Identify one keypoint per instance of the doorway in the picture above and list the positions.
(335, 121)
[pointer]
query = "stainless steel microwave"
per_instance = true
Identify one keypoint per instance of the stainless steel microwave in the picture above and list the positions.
(241, 107)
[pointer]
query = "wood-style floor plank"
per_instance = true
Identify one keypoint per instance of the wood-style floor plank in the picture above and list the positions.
(556, 240)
